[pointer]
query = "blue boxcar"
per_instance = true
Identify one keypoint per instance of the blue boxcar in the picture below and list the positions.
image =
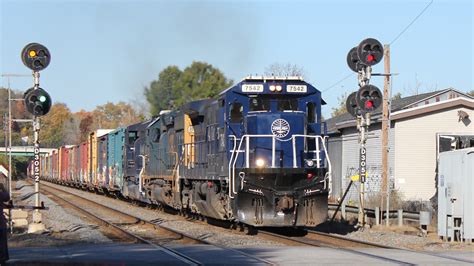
(115, 157)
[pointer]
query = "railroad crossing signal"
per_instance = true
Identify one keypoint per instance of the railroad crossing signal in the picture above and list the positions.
(35, 56)
(353, 60)
(368, 98)
(360, 59)
(370, 52)
(37, 101)
(351, 104)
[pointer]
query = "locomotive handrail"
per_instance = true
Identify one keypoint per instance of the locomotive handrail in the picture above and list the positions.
(237, 149)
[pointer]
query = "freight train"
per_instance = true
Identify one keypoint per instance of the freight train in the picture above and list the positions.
(256, 155)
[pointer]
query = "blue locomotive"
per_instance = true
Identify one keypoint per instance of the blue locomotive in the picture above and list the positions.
(254, 155)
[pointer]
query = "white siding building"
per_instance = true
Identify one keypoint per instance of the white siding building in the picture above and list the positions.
(416, 122)
(416, 142)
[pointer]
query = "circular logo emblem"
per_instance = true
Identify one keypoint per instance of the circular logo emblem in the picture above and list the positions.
(280, 128)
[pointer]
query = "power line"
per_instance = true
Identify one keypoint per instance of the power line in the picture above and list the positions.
(413, 21)
(341, 80)
(396, 38)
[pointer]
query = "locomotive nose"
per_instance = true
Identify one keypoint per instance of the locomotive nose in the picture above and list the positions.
(276, 151)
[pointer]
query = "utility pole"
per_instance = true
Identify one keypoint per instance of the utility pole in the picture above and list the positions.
(385, 128)
(9, 127)
(9, 139)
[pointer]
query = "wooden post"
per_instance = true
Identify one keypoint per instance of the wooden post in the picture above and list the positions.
(385, 128)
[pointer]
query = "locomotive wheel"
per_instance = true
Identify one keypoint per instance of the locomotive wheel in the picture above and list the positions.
(250, 230)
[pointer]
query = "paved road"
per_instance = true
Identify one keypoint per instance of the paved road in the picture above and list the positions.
(145, 255)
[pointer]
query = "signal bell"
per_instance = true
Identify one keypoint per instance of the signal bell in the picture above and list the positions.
(37, 101)
(35, 56)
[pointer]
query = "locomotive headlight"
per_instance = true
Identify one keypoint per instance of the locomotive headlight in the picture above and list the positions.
(309, 163)
(278, 88)
(272, 87)
(260, 163)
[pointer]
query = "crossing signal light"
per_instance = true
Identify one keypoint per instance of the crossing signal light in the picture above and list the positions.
(353, 60)
(370, 52)
(37, 101)
(368, 98)
(351, 104)
(35, 56)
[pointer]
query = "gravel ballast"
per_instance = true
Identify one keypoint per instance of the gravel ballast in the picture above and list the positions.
(63, 226)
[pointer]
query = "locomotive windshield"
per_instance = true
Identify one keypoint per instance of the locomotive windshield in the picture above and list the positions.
(287, 105)
(259, 104)
(263, 103)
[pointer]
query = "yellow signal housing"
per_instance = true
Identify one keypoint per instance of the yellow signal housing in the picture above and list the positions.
(356, 177)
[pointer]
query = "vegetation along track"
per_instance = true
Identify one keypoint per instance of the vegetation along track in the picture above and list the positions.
(123, 227)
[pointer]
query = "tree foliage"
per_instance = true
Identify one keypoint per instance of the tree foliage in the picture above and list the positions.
(112, 115)
(471, 93)
(341, 108)
(53, 125)
(161, 94)
(175, 87)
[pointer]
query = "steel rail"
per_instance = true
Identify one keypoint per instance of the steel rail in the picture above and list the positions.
(180, 256)
(173, 231)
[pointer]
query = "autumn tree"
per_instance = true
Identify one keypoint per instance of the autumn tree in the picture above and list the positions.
(112, 115)
(53, 125)
(341, 108)
(85, 126)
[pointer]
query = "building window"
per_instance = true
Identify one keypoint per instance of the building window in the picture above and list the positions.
(437, 98)
(236, 113)
(427, 102)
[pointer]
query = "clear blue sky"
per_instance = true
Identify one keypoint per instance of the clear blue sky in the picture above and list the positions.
(109, 50)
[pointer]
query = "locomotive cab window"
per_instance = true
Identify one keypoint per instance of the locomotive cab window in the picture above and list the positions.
(311, 111)
(157, 134)
(132, 136)
(288, 105)
(259, 104)
(236, 113)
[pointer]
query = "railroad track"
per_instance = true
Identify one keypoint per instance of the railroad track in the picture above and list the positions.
(311, 238)
(319, 239)
(123, 227)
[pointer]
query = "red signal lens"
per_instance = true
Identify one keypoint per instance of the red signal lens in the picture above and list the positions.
(309, 175)
(369, 104)
(370, 58)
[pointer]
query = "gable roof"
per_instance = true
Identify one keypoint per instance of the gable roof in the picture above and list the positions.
(334, 123)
